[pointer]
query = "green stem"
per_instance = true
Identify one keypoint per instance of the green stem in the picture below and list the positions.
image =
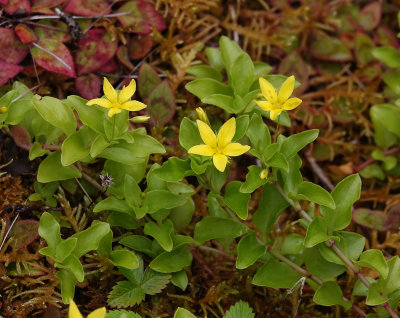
(276, 129)
(112, 135)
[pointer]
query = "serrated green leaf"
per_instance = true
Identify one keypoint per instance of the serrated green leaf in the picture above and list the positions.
(125, 294)
(153, 282)
(239, 310)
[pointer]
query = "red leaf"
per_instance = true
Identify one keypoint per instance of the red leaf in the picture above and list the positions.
(25, 34)
(88, 86)
(51, 63)
(21, 137)
(109, 67)
(3, 1)
(139, 46)
(17, 7)
(143, 17)
(122, 56)
(11, 49)
(88, 7)
(370, 16)
(49, 30)
(42, 10)
(24, 232)
(8, 71)
(94, 51)
(47, 3)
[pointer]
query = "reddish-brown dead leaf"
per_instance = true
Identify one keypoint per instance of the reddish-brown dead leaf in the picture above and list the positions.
(94, 51)
(139, 46)
(24, 232)
(47, 3)
(49, 62)
(11, 49)
(88, 86)
(8, 71)
(122, 56)
(143, 17)
(21, 137)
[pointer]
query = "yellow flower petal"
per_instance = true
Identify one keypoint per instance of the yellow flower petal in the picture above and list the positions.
(113, 111)
(235, 149)
(203, 150)
(226, 133)
(273, 114)
(109, 91)
(220, 161)
(101, 102)
(127, 92)
(268, 91)
(202, 115)
(291, 103)
(265, 105)
(286, 90)
(98, 313)
(73, 311)
(133, 105)
(206, 134)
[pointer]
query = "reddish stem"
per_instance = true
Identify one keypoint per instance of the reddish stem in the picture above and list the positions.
(388, 152)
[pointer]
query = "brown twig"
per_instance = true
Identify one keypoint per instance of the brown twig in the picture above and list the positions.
(318, 171)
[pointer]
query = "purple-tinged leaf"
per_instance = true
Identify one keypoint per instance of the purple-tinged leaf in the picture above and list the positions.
(369, 219)
(11, 49)
(8, 71)
(52, 311)
(50, 58)
(88, 7)
(17, 7)
(21, 137)
(24, 232)
(88, 86)
(47, 3)
(143, 16)
(370, 16)
(25, 34)
(140, 46)
(392, 221)
(148, 80)
(161, 104)
(330, 49)
(109, 67)
(122, 56)
(94, 51)
(385, 36)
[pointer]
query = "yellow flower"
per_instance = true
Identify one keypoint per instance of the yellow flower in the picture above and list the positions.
(116, 102)
(202, 115)
(277, 102)
(3, 110)
(218, 147)
(74, 312)
(263, 174)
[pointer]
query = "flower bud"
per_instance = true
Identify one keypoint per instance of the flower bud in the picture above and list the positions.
(202, 115)
(3, 110)
(140, 119)
(263, 174)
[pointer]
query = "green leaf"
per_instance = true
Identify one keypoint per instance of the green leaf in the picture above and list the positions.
(189, 135)
(49, 229)
(125, 294)
(144, 145)
(92, 116)
(388, 55)
(122, 314)
(174, 261)
(74, 265)
(138, 243)
(51, 169)
(242, 74)
(223, 101)
(181, 216)
(375, 296)
(180, 279)
(387, 114)
(271, 206)
(242, 123)
(156, 200)
(153, 282)
(315, 193)
(77, 146)
(318, 266)
(292, 244)
(230, 51)
(148, 80)
(392, 282)
(161, 233)
(253, 180)
(206, 86)
(240, 310)
(374, 259)
(174, 169)
(383, 136)
(36, 151)
(67, 282)
(204, 71)
(236, 200)
(258, 133)
(123, 220)
(316, 232)
(161, 103)
(183, 313)
(89, 239)
(124, 258)
(276, 274)
(329, 294)
(214, 57)
(214, 227)
(392, 80)
(132, 192)
(248, 251)
(294, 143)
(65, 248)
(99, 144)
(345, 194)
(120, 154)
(373, 171)
(112, 204)
(56, 113)
(278, 160)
